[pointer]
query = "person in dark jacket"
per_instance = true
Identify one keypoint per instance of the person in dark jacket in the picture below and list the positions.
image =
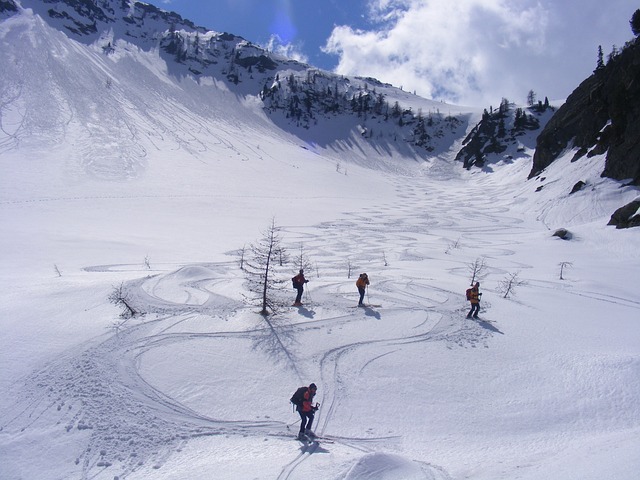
(307, 410)
(298, 282)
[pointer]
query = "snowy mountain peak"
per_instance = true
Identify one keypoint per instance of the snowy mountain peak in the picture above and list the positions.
(115, 68)
(149, 59)
(85, 20)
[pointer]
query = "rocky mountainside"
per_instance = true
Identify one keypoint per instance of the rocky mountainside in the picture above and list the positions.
(601, 117)
(503, 134)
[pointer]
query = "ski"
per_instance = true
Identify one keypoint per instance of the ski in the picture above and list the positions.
(322, 440)
(311, 441)
(307, 439)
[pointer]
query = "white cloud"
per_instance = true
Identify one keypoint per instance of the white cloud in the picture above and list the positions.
(289, 50)
(475, 52)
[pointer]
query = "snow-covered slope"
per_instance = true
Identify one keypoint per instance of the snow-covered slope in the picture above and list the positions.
(116, 172)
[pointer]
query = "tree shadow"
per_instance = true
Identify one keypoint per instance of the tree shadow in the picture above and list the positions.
(277, 341)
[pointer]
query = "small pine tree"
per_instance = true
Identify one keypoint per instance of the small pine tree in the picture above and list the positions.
(531, 98)
(635, 22)
(613, 54)
(600, 62)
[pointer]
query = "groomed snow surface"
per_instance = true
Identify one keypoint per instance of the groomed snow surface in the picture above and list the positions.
(544, 385)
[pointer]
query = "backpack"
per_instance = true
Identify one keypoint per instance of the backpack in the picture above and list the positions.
(295, 284)
(298, 396)
(468, 294)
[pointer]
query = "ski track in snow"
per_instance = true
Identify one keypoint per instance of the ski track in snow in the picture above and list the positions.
(129, 423)
(97, 388)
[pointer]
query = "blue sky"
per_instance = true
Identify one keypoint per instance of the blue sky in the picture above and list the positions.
(302, 27)
(468, 52)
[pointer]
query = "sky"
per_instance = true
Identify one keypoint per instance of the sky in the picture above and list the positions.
(469, 52)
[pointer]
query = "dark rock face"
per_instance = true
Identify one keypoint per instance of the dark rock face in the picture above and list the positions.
(85, 19)
(577, 187)
(626, 217)
(601, 115)
(7, 8)
(496, 132)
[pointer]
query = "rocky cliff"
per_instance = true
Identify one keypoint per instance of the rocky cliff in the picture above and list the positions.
(601, 116)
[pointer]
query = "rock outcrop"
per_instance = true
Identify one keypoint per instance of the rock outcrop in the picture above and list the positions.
(601, 116)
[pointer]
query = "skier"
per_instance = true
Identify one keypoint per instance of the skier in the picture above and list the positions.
(307, 410)
(298, 284)
(362, 283)
(474, 297)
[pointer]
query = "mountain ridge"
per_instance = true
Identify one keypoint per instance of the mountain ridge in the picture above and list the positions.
(301, 100)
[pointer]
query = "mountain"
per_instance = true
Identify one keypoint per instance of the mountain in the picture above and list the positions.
(296, 96)
(317, 107)
(601, 117)
(504, 134)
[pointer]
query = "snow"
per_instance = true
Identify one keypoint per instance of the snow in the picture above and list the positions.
(154, 183)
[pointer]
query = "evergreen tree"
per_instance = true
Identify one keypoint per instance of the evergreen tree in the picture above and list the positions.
(504, 106)
(531, 98)
(600, 62)
(396, 111)
(635, 22)
(502, 129)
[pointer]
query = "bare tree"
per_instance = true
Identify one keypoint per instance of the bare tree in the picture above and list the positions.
(302, 260)
(264, 256)
(120, 298)
(507, 286)
(564, 265)
(241, 252)
(452, 246)
(477, 269)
